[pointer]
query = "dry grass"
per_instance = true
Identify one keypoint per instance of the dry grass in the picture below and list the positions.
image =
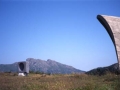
(59, 82)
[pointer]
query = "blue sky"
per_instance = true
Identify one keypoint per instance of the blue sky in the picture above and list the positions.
(65, 31)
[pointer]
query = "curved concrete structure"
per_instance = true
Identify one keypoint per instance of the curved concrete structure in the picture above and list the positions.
(112, 26)
(23, 68)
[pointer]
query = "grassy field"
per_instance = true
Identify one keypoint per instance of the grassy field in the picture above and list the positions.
(10, 81)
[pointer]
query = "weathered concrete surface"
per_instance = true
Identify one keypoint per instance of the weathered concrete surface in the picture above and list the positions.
(23, 67)
(112, 25)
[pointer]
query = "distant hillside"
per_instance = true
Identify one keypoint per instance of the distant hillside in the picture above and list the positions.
(103, 70)
(8, 67)
(49, 66)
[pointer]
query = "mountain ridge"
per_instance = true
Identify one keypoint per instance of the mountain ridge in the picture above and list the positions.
(104, 70)
(51, 66)
(38, 65)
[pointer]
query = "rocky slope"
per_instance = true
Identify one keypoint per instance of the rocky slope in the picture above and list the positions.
(51, 66)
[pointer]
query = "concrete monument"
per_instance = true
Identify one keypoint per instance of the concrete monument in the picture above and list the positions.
(112, 26)
(23, 68)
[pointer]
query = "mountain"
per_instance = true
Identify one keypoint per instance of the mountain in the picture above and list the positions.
(38, 65)
(51, 66)
(103, 70)
(8, 67)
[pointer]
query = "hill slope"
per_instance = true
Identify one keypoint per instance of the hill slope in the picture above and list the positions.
(49, 66)
(103, 70)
